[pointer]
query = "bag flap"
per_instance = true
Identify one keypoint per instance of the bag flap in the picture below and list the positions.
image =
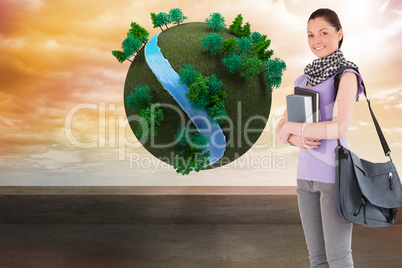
(375, 181)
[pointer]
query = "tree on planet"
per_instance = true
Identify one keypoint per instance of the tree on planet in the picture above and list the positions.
(260, 49)
(229, 45)
(187, 74)
(215, 86)
(154, 23)
(247, 54)
(216, 22)
(273, 72)
(176, 16)
(130, 46)
(136, 37)
(205, 93)
(162, 19)
(243, 45)
(256, 37)
(250, 66)
(246, 30)
(192, 158)
(138, 32)
(212, 42)
(119, 55)
(200, 89)
(190, 135)
(232, 62)
(140, 98)
(150, 115)
(236, 26)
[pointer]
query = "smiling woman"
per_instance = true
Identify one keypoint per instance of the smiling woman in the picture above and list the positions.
(328, 238)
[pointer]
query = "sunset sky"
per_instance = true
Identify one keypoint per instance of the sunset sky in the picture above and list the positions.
(61, 93)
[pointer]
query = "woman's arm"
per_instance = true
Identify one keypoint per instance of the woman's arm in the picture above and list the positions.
(283, 120)
(303, 143)
(341, 116)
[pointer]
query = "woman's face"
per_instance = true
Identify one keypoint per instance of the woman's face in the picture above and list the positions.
(323, 38)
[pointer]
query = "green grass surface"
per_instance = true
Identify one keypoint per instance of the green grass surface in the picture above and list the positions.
(180, 45)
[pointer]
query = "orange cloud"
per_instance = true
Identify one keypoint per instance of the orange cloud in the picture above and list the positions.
(55, 55)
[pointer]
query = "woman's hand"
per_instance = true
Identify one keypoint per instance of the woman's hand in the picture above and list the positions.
(304, 143)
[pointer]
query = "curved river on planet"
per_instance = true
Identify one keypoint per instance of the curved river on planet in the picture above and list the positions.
(170, 81)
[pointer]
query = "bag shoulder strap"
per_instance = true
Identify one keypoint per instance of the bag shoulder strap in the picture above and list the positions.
(384, 143)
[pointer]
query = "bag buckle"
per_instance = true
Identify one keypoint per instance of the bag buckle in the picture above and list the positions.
(389, 155)
(390, 180)
(364, 209)
(363, 200)
(364, 205)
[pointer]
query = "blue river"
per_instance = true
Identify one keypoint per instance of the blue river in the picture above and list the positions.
(170, 81)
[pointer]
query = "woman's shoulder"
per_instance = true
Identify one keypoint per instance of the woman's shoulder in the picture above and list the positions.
(351, 71)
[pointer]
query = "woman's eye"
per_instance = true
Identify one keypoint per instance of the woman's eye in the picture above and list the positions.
(323, 33)
(310, 35)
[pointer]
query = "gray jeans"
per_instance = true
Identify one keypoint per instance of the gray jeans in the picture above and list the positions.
(328, 238)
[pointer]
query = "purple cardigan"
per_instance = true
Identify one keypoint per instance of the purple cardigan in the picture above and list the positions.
(319, 164)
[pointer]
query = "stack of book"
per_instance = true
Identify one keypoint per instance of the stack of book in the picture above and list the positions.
(303, 106)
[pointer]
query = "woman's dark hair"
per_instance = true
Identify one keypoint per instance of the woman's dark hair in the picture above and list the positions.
(331, 17)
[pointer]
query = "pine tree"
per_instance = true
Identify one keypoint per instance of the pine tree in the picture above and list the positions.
(119, 55)
(236, 26)
(229, 45)
(246, 30)
(260, 50)
(155, 22)
(216, 22)
(176, 16)
(138, 32)
(153, 19)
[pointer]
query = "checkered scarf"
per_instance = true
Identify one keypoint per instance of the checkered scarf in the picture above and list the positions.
(323, 68)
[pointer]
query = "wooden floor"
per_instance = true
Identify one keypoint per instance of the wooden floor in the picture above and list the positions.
(156, 227)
